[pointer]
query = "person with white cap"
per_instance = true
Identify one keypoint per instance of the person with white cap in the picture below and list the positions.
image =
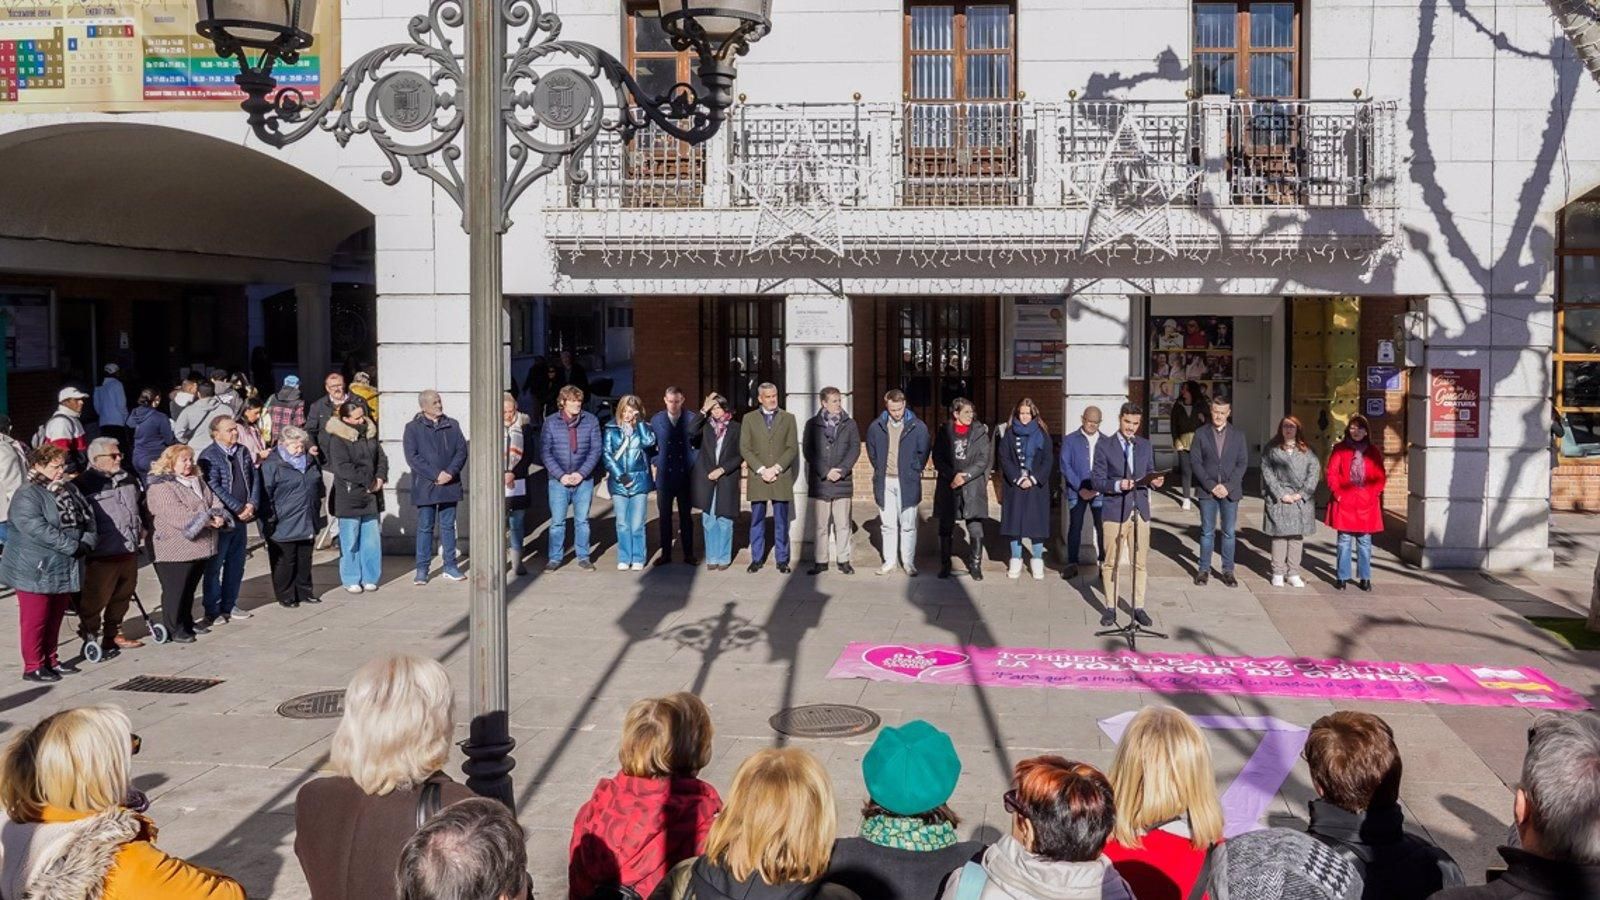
(111, 403)
(64, 429)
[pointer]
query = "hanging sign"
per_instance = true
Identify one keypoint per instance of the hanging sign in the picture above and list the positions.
(1455, 408)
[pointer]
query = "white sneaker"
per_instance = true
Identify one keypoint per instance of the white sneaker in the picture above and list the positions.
(636, 567)
(911, 571)
(622, 567)
(1038, 569)
(1015, 569)
(886, 569)
(1296, 581)
(369, 588)
(1277, 581)
(240, 614)
(353, 588)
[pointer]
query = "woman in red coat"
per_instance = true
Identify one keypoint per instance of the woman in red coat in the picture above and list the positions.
(1355, 480)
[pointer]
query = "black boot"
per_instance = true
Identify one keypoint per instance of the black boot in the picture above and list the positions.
(944, 556)
(975, 565)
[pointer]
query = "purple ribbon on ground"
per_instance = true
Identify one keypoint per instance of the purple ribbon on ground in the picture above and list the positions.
(1246, 800)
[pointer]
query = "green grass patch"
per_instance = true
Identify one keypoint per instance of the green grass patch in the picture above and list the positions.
(1573, 631)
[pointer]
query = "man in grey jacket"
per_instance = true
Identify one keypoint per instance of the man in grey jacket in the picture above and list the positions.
(112, 570)
(193, 425)
(1220, 457)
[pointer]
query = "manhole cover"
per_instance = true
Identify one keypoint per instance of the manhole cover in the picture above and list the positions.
(321, 705)
(161, 684)
(825, 720)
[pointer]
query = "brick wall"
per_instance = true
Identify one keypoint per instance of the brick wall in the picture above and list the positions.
(1575, 487)
(666, 349)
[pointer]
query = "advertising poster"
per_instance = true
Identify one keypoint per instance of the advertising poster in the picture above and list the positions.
(1188, 348)
(1455, 409)
(1038, 337)
(134, 56)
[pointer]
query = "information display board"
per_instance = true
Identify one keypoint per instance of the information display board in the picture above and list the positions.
(134, 56)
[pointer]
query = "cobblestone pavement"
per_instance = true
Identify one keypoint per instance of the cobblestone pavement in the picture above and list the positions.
(222, 767)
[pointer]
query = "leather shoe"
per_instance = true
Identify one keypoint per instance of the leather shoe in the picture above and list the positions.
(783, 568)
(41, 675)
(817, 569)
(1202, 578)
(753, 568)
(287, 604)
(1228, 579)
(1339, 584)
(846, 569)
(1142, 617)
(1108, 616)
(199, 628)
(182, 637)
(1364, 584)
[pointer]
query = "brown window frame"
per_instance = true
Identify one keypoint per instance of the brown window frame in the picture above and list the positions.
(1559, 358)
(1242, 48)
(959, 51)
(658, 170)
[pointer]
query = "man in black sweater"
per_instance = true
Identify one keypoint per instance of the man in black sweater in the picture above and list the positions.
(1355, 769)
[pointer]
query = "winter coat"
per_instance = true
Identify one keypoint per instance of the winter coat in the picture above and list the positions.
(1111, 468)
(914, 448)
(367, 394)
(633, 830)
(1015, 874)
(627, 459)
(1025, 513)
(1165, 867)
(356, 461)
(555, 446)
(1284, 473)
(111, 403)
(889, 873)
(673, 455)
(700, 879)
(521, 467)
(221, 468)
(972, 455)
(1185, 424)
(111, 855)
(64, 429)
(1357, 509)
(433, 447)
(762, 445)
(822, 455)
(1530, 877)
(118, 511)
(172, 507)
(720, 497)
(13, 471)
(285, 408)
(291, 500)
(41, 556)
(152, 433)
(1225, 465)
(319, 414)
(1394, 864)
(193, 425)
(349, 842)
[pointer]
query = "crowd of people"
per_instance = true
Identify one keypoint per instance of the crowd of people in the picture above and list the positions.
(386, 822)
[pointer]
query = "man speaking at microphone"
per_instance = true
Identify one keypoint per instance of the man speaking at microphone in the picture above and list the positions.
(1124, 472)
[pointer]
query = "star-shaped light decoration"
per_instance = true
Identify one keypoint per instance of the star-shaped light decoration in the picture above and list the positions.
(1129, 191)
(799, 191)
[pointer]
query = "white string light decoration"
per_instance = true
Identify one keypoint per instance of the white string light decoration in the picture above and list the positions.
(800, 192)
(1129, 191)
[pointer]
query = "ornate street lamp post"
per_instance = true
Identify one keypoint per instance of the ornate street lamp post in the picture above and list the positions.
(419, 102)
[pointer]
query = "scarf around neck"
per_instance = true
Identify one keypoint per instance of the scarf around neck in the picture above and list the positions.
(830, 423)
(908, 833)
(719, 425)
(1358, 462)
(70, 504)
(1029, 439)
(298, 460)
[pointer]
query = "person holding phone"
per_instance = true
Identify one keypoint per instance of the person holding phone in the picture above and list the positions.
(1124, 472)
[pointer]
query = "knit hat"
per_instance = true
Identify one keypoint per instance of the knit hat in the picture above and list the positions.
(1277, 864)
(911, 769)
(291, 381)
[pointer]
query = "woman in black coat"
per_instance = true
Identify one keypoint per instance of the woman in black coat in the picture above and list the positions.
(1026, 461)
(715, 479)
(962, 455)
(360, 468)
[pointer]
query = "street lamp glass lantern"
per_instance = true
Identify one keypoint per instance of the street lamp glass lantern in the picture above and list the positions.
(280, 26)
(718, 20)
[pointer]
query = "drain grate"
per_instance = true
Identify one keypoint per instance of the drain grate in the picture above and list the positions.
(825, 720)
(320, 705)
(166, 684)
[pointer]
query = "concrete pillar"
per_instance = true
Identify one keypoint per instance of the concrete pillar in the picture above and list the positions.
(1480, 499)
(314, 350)
(1099, 335)
(818, 339)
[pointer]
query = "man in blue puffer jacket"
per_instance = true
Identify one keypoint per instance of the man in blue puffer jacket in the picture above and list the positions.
(569, 449)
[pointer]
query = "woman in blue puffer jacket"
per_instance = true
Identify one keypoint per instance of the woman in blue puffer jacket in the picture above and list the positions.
(151, 430)
(626, 452)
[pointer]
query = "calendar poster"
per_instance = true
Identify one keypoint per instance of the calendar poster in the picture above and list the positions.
(134, 56)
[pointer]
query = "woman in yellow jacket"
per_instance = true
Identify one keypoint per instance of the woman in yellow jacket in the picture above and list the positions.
(68, 835)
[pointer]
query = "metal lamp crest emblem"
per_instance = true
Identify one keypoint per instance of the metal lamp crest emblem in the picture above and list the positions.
(562, 99)
(406, 100)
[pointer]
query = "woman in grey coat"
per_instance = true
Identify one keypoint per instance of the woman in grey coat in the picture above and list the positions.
(962, 456)
(1289, 476)
(52, 529)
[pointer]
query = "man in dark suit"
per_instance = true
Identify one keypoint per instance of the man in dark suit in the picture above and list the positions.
(1220, 457)
(672, 460)
(1119, 464)
(1077, 470)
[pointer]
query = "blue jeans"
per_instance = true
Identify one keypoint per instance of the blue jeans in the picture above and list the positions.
(1363, 544)
(443, 519)
(719, 538)
(517, 531)
(1211, 510)
(219, 593)
(1076, 507)
(630, 527)
(360, 551)
(577, 499)
(780, 530)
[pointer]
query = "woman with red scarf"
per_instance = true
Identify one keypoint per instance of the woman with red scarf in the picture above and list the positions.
(1355, 509)
(962, 453)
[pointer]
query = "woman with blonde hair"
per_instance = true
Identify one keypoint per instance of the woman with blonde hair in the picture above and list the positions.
(628, 442)
(186, 517)
(1168, 814)
(656, 812)
(68, 835)
(387, 755)
(773, 839)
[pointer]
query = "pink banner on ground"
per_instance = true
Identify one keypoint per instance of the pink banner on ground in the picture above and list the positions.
(1189, 673)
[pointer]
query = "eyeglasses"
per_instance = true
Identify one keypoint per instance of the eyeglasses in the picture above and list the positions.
(137, 743)
(1014, 803)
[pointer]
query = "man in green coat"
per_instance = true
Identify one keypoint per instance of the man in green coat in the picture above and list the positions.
(769, 441)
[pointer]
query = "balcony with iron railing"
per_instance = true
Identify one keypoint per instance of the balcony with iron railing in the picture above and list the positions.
(1192, 177)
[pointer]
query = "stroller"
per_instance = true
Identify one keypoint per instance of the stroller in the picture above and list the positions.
(93, 652)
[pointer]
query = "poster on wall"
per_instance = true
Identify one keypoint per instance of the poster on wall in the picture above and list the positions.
(1038, 337)
(1188, 348)
(134, 56)
(27, 330)
(1454, 409)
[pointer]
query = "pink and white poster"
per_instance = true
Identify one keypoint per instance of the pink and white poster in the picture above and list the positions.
(1190, 673)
